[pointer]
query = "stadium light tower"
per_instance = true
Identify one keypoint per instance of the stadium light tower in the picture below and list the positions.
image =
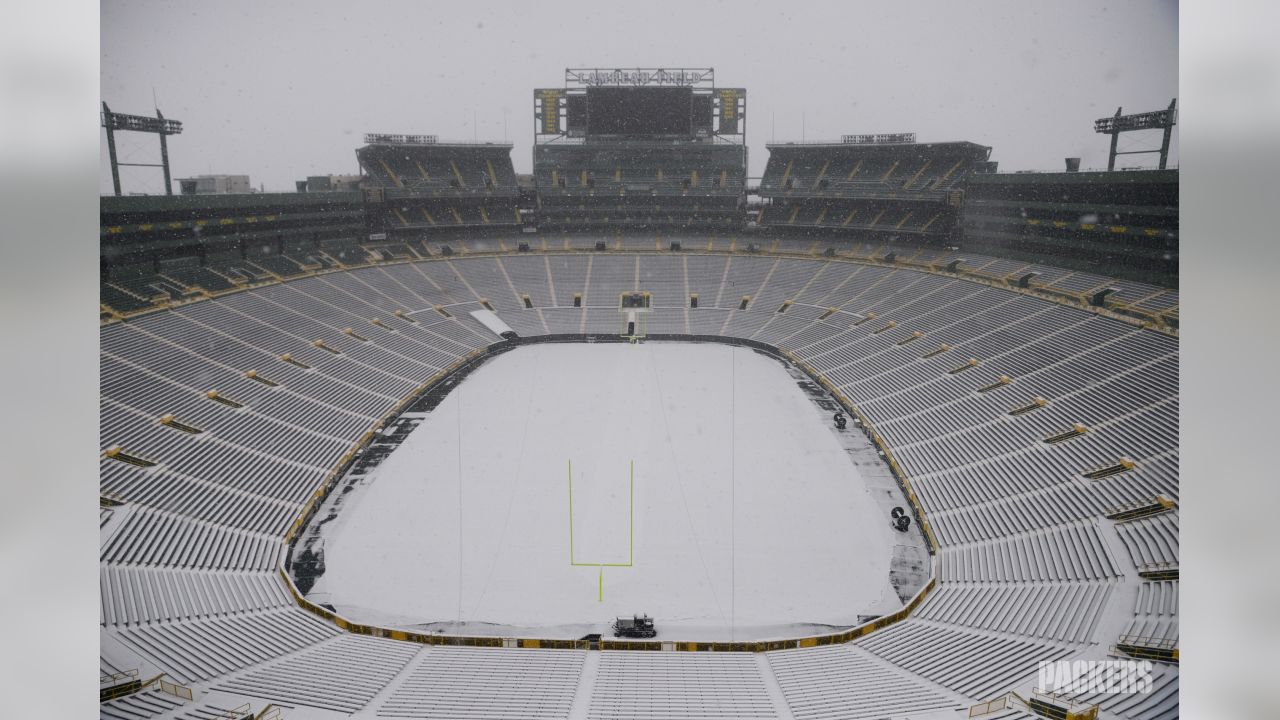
(1160, 119)
(139, 123)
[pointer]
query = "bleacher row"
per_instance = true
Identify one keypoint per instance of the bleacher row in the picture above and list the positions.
(883, 190)
(147, 703)
(572, 213)
(298, 371)
(451, 214)
(146, 290)
(1073, 552)
(448, 169)
(842, 169)
(414, 189)
(599, 173)
(836, 214)
(646, 186)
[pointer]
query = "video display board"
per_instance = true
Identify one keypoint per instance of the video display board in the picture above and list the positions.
(640, 111)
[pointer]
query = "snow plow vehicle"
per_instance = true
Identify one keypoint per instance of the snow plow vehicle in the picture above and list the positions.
(637, 626)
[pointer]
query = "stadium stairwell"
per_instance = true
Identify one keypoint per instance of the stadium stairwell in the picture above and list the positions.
(999, 382)
(118, 685)
(1140, 509)
(255, 377)
(391, 174)
(907, 185)
(118, 453)
(1075, 431)
(1035, 404)
(934, 353)
(172, 422)
(1124, 464)
(1040, 704)
(1060, 708)
(1158, 571)
(946, 176)
(224, 400)
(1147, 648)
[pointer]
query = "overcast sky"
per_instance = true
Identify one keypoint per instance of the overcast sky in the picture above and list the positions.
(282, 90)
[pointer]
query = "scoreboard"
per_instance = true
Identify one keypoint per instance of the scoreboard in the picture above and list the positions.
(548, 106)
(639, 112)
(732, 102)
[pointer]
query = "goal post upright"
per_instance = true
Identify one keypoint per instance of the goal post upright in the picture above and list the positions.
(631, 532)
(631, 540)
(571, 562)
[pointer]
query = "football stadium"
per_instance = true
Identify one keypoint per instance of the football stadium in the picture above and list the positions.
(882, 433)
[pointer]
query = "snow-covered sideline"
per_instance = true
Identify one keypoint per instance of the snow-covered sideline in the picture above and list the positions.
(750, 520)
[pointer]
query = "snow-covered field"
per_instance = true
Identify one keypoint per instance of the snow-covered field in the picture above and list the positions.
(750, 520)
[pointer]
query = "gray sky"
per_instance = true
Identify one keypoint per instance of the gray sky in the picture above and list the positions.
(281, 90)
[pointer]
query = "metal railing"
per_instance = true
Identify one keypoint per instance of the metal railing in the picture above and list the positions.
(120, 684)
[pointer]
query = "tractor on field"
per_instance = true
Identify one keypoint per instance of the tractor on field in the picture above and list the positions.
(637, 626)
